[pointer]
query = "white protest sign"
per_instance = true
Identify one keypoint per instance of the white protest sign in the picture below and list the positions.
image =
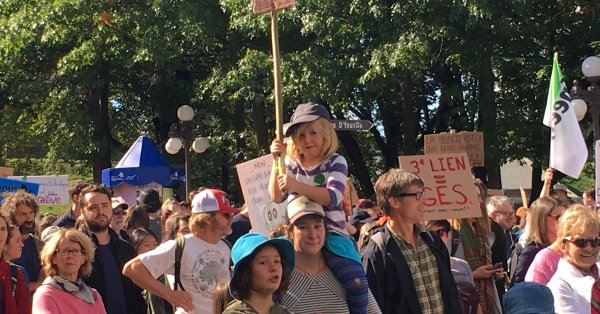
(54, 190)
(254, 180)
(449, 190)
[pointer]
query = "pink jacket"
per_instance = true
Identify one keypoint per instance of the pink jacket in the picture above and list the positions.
(50, 300)
(544, 266)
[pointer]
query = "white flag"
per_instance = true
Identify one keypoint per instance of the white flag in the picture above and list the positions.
(568, 152)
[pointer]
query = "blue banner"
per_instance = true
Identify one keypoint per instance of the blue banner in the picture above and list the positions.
(8, 186)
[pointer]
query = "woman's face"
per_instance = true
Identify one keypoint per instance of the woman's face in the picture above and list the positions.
(3, 233)
(581, 257)
(552, 222)
(14, 247)
(148, 244)
(68, 258)
(267, 270)
(308, 235)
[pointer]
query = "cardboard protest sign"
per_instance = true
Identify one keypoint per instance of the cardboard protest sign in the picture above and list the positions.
(463, 142)
(6, 172)
(263, 6)
(254, 180)
(350, 196)
(449, 189)
(8, 186)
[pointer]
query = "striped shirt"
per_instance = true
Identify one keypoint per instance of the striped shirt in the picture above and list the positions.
(423, 267)
(330, 174)
(319, 293)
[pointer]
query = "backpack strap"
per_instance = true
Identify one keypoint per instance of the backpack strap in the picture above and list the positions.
(180, 244)
(455, 241)
(14, 277)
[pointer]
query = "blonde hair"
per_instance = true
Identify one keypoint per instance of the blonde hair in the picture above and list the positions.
(576, 220)
(199, 221)
(321, 125)
(72, 235)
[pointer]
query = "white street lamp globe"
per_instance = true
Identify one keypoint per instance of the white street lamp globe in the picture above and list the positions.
(580, 108)
(200, 144)
(185, 113)
(173, 145)
(591, 66)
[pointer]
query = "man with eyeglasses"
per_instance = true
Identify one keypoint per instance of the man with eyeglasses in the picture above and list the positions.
(119, 293)
(503, 218)
(119, 207)
(204, 261)
(407, 267)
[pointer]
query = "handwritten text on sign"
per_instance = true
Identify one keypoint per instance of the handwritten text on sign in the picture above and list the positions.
(449, 189)
(467, 142)
(254, 180)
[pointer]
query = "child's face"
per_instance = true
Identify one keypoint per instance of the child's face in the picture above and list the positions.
(267, 270)
(309, 140)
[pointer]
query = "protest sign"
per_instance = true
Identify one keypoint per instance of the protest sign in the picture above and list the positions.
(8, 186)
(53, 190)
(449, 190)
(6, 172)
(254, 180)
(463, 142)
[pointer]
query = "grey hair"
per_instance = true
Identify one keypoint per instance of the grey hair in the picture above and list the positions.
(496, 201)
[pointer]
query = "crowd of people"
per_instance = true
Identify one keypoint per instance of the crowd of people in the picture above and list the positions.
(105, 256)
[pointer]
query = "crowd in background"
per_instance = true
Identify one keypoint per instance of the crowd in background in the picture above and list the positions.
(162, 256)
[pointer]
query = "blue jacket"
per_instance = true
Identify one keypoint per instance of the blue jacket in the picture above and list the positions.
(390, 279)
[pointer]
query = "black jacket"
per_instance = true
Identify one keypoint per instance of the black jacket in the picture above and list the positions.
(390, 279)
(123, 252)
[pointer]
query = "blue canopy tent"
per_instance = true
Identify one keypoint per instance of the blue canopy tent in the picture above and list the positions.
(143, 164)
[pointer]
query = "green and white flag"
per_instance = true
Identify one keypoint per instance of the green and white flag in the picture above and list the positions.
(568, 152)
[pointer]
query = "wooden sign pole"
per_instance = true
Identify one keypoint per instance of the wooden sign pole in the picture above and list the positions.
(277, 81)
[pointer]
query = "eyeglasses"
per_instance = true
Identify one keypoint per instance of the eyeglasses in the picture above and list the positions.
(119, 212)
(441, 232)
(417, 195)
(555, 216)
(67, 252)
(226, 215)
(506, 214)
(582, 242)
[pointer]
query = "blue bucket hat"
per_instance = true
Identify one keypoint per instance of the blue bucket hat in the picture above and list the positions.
(249, 243)
(529, 298)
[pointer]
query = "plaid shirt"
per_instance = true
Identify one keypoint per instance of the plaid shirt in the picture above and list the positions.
(423, 267)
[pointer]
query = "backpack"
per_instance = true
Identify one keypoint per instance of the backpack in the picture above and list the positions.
(469, 297)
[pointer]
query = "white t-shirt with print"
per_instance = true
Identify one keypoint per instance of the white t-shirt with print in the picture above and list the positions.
(203, 266)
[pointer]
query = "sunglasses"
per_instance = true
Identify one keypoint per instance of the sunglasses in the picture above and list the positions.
(582, 242)
(119, 212)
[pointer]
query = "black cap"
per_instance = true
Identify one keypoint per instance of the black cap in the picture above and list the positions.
(305, 113)
(150, 198)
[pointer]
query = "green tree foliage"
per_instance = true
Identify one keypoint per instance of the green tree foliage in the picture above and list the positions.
(80, 80)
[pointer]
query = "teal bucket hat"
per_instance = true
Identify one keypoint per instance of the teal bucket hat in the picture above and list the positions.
(249, 243)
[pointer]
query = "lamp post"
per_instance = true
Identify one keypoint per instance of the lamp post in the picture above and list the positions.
(591, 96)
(184, 134)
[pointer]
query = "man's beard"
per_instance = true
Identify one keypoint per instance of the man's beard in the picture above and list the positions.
(96, 227)
(27, 227)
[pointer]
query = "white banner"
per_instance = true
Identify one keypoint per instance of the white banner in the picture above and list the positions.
(54, 190)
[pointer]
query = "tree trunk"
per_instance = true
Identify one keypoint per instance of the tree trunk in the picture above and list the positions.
(259, 120)
(97, 103)
(409, 117)
(356, 162)
(488, 121)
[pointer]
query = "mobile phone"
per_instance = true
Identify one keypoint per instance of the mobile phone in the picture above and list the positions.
(497, 265)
